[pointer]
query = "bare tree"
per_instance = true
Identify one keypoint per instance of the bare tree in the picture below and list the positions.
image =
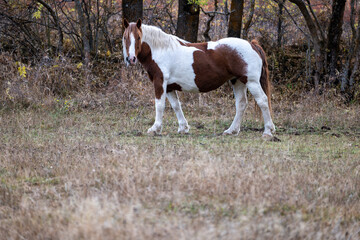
(211, 16)
(316, 37)
(333, 38)
(84, 32)
(324, 56)
(280, 22)
(188, 20)
(56, 21)
(161, 13)
(347, 82)
(236, 15)
(18, 29)
(249, 20)
(132, 9)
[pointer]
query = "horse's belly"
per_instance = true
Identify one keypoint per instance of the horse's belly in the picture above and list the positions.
(203, 83)
(208, 82)
(186, 83)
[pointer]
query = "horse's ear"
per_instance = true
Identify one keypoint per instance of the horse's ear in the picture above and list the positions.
(138, 23)
(126, 23)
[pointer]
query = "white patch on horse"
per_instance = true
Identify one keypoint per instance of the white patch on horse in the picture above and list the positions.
(212, 45)
(179, 66)
(124, 52)
(132, 46)
(174, 60)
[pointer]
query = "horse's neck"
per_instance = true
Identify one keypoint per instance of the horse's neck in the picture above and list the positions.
(144, 55)
(158, 40)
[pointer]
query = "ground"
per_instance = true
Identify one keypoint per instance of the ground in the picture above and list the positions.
(95, 174)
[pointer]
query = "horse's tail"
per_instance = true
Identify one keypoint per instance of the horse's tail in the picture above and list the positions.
(264, 78)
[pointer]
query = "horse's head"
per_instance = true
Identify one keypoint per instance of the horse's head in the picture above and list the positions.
(132, 41)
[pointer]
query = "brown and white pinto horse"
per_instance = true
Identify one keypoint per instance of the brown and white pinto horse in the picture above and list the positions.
(176, 65)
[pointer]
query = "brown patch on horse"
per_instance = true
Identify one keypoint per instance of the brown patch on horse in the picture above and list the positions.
(215, 67)
(154, 72)
(200, 46)
(172, 87)
(182, 43)
(264, 78)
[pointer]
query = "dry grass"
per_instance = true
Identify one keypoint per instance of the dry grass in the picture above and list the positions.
(70, 173)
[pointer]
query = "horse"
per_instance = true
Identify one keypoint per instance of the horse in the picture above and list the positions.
(174, 64)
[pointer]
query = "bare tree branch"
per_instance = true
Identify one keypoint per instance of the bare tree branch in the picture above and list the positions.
(57, 24)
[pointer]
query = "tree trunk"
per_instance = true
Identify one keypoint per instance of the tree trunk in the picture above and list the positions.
(357, 56)
(350, 55)
(84, 31)
(249, 20)
(188, 21)
(89, 31)
(132, 9)
(280, 20)
(317, 41)
(354, 70)
(235, 22)
(334, 35)
(226, 11)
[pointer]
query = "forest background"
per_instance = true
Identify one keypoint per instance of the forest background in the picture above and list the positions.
(62, 48)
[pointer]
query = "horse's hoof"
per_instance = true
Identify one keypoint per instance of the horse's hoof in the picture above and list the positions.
(231, 132)
(184, 130)
(154, 131)
(183, 133)
(273, 129)
(275, 139)
(267, 136)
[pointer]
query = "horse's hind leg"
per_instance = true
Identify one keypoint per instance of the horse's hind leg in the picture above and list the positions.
(175, 104)
(262, 101)
(241, 102)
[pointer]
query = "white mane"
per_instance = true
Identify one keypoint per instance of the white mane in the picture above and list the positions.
(158, 39)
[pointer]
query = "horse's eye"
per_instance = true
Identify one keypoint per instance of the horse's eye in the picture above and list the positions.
(138, 38)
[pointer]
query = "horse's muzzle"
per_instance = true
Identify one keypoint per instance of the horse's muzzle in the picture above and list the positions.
(132, 60)
(127, 60)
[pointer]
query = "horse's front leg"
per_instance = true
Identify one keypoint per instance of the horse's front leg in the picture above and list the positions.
(160, 96)
(175, 104)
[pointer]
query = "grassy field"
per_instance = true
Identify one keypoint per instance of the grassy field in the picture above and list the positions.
(94, 174)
